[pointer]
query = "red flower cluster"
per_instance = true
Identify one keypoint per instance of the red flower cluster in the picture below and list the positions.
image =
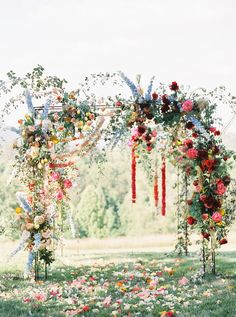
(191, 220)
(174, 86)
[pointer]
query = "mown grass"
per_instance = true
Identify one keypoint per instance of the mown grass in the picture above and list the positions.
(214, 296)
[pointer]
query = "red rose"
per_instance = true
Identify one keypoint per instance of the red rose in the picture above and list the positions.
(212, 129)
(209, 202)
(141, 130)
(194, 135)
(174, 86)
(165, 108)
(206, 235)
(86, 308)
(223, 241)
(208, 165)
(216, 150)
(154, 96)
(203, 154)
(191, 220)
(118, 104)
(217, 133)
(189, 125)
(165, 100)
(195, 183)
(203, 197)
(188, 143)
(226, 180)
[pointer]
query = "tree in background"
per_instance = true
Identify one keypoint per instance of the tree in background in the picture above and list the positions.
(97, 213)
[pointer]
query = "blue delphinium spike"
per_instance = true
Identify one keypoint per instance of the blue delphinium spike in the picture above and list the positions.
(24, 237)
(29, 263)
(131, 85)
(198, 126)
(29, 103)
(46, 109)
(23, 202)
(149, 90)
(37, 241)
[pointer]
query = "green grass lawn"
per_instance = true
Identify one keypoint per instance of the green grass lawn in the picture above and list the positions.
(124, 284)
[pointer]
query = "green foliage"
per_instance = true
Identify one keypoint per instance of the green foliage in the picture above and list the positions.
(97, 213)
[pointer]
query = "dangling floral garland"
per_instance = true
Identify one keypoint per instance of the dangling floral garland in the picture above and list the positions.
(133, 167)
(163, 173)
(155, 189)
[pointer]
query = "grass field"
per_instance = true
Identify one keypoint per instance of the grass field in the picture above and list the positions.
(123, 282)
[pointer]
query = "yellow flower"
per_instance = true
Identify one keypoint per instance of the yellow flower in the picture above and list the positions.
(27, 117)
(222, 212)
(18, 210)
(54, 139)
(78, 112)
(220, 223)
(178, 142)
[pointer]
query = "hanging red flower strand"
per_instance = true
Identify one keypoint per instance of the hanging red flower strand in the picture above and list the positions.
(155, 189)
(133, 176)
(163, 174)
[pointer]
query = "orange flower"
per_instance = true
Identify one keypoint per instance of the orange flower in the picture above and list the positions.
(119, 284)
(148, 281)
(20, 121)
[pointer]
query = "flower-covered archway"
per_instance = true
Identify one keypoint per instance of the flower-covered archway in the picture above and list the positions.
(163, 123)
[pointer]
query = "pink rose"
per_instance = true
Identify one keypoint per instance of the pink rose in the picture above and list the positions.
(203, 197)
(221, 189)
(187, 106)
(135, 133)
(192, 153)
(67, 183)
(40, 297)
(183, 281)
(59, 195)
(198, 188)
(130, 143)
(217, 217)
(107, 301)
(154, 133)
(205, 216)
(55, 176)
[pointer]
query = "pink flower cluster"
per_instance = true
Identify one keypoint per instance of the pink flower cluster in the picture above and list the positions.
(187, 106)
(220, 188)
(217, 217)
(192, 153)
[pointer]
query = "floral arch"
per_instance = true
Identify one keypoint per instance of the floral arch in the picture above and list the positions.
(165, 123)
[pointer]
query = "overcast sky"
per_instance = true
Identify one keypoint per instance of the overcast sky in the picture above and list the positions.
(191, 42)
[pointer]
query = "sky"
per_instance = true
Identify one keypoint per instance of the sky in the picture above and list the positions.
(191, 42)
